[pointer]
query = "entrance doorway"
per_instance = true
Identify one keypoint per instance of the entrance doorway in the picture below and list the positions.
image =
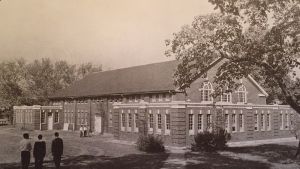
(50, 121)
(98, 123)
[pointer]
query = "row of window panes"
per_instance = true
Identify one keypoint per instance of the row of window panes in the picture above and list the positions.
(82, 117)
(24, 117)
(286, 120)
(129, 121)
(200, 122)
(262, 121)
(44, 115)
(155, 119)
(235, 121)
(69, 117)
(207, 90)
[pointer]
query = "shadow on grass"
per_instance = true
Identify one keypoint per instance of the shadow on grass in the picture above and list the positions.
(133, 161)
(271, 152)
(215, 160)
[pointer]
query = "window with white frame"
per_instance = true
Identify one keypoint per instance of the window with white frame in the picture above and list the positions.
(281, 120)
(43, 117)
(242, 94)
(206, 91)
(256, 121)
(287, 122)
(262, 121)
(241, 121)
(150, 121)
(226, 121)
(268, 121)
(123, 121)
(158, 122)
(56, 117)
(209, 121)
(129, 118)
(167, 122)
(110, 118)
(200, 121)
(226, 97)
(233, 122)
(136, 119)
(191, 123)
(292, 118)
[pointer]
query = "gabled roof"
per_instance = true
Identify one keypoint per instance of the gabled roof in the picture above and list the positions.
(151, 78)
(138, 79)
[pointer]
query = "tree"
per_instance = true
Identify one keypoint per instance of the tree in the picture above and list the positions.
(257, 37)
(45, 77)
(87, 68)
(12, 85)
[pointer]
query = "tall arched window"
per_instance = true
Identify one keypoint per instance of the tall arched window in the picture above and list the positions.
(206, 91)
(226, 97)
(242, 94)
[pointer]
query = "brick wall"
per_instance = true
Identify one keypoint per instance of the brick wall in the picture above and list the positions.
(244, 122)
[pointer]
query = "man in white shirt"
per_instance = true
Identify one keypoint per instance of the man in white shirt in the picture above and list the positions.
(25, 148)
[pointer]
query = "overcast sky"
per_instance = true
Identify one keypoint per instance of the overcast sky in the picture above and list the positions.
(114, 33)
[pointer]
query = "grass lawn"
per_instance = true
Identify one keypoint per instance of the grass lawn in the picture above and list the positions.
(268, 156)
(79, 153)
(97, 152)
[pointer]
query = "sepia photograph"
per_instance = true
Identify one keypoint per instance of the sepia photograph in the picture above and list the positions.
(149, 84)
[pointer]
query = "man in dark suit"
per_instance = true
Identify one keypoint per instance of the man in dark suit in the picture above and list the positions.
(39, 152)
(57, 149)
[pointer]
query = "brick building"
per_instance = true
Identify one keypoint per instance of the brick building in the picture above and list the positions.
(128, 101)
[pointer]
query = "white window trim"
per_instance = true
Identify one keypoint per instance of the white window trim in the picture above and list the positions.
(56, 112)
(263, 118)
(167, 131)
(158, 131)
(257, 122)
(191, 131)
(202, 92)
(122, 123)
(227, 128)
(210, 120)
(287, 121)
(202, 126)
(235, 122)
(246, 93)
(135, 126)
(270, 124)
(43, 114)
(128, 129)
(242, 129)
(150, 130)
(281, 116)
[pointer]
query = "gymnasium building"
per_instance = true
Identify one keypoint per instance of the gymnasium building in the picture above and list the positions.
(143, 99)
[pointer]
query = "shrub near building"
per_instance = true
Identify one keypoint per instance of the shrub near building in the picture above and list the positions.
(211, 141)
(150, 144)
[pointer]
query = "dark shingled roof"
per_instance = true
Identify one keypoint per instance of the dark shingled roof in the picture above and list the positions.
(139, 79)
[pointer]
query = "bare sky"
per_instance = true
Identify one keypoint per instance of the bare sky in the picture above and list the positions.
(115, 33)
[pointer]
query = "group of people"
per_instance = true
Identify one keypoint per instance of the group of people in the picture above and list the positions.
(83, 131)
(39, 151)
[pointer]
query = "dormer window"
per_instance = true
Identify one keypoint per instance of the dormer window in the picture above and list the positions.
(242, 94)
(206, 91)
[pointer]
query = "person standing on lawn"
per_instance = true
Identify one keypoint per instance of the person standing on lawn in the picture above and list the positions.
(81, 131)
(57, 149)
(85, 131)
(39, 152)
(25, 148)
